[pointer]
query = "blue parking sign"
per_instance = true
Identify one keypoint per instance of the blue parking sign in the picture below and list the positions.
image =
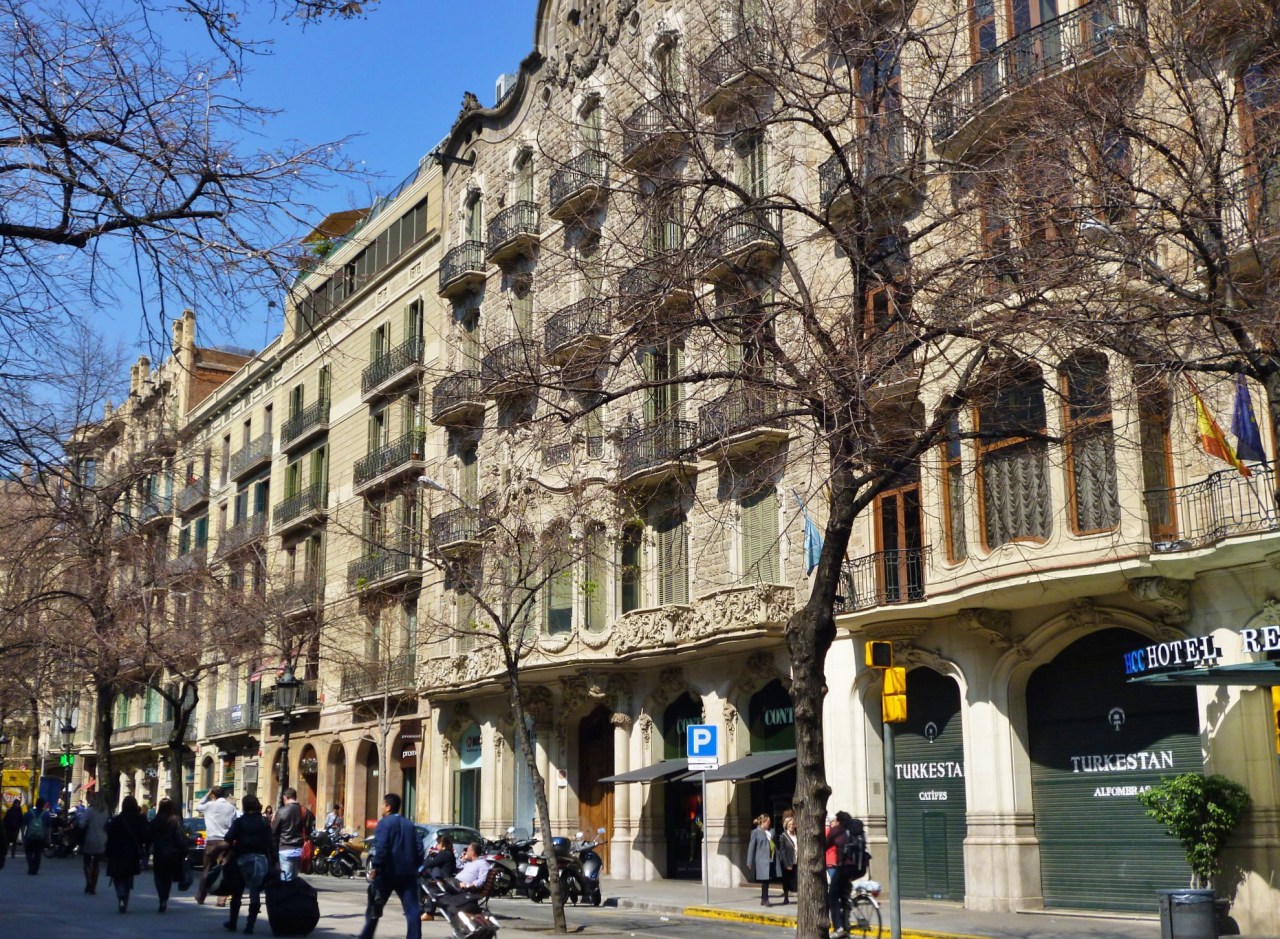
(702, 743)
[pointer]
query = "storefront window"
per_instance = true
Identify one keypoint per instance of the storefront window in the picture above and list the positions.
(772, 719)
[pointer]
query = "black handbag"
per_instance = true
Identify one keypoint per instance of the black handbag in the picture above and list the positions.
(186, 877)
(223, 879)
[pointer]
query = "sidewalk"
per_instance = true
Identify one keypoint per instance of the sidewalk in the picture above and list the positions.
(920, 918)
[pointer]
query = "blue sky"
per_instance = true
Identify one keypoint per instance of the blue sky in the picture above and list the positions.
(395, 78)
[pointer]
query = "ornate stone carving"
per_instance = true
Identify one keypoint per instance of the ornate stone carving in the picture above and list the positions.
(539, 704)
(555, 643)
(1083, 614)
(1172, 598)
(898, 632)
(621, 685)
(730, 726)
(762, 605)
(594, 639)
(618, 719)
(646, 733)
(991, 625)
(499, 743)
(669, 686)
(583, 690)
(587, 30)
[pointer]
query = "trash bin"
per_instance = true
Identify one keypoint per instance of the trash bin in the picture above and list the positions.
(1187, 914)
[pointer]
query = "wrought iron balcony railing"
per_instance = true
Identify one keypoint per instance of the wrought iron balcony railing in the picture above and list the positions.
(512, 228)
(305, 593)
(196, 492)
(383, 563)
(1067, 41)
(461, 265)
(253, 454)
(582, 178)
(312, 417)
(405, 357)
(456, 526)
(883, 151)
(308, 697)
(589, 317)
(884, 578)
(654, 278)
(654, 128)
(190, 562)
(659, 442)
(313, 498)
(242, 533)
(395, 455)
(236, 719)
(394, 676)
(160, 508)
(454, 392)
(743, 230)
(510, 366)
(740, 411)
(1253, 214)
(1220, 506)
(741, 55)
(162, 731)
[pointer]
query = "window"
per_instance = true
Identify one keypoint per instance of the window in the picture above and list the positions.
(296, 400)
(522, 306)
(201, 526)
(1260, 126)
(378, 430)
(474, 229)
(292, 478)
(665, 231)
(880, 107)
(268, 414)
(246, 433)
(409, 632)
(323, 383)
(320, 468)
(760, 537)
(953, 493)
(524, 176)
(1154, 413)
(595, 565)
(590, 130)
(672, 549)
(380, 342)
(753, 168)
(226, 458)
(631, 568)
(662, 366)
(997, 233)
(666, 64)
(261, 496)
(559, 595)
(1013, 460)
(413, 321)
(1091, 464)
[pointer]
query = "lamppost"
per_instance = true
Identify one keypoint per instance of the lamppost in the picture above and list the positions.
(286, 698)
(4, 749)
(68, 731)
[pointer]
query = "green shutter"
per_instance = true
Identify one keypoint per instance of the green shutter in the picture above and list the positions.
(760, 537)
(292, 478)
(322, 384)
(673, 557)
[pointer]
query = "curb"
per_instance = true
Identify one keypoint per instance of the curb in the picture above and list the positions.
(778, 919)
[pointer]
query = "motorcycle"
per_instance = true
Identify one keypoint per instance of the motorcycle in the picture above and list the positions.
(347, 858)
(461, 909)
(322, 845)
(590, 865)
(509, 854)
(537, 882)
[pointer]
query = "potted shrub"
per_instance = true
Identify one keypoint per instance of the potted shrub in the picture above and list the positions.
(1201, 812)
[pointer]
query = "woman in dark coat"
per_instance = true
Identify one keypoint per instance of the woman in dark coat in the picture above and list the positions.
(251, 847)
(126, 835)
(760, 851)
(441, 861)
(785, 857)
(13, 825)
(168, 850)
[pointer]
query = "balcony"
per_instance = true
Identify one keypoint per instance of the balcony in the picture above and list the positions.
(743, 240)
(879, 181)
(396, 676)
(579, 186)
(309, 699)
(884, 579)
(131, 737)
(742, 421)
(1092, 39)
(304, 595)
(255, 453)
(162, 731)
(158, 511)
(385, 567)
(1220, 506)
(189, 563)
(513, 232)
(654, 131)
(462, 269)
(302, 508)
(857, 14)
(1252, 223)
(657, 285)
(510, 368)
(236, 719)
(311, 420)
(735, 74)
(456, 530)
(242, 534)
(657, 452)
(580, 330)
(391, 369)
(194, 494)
(391, 461)
(456, 400)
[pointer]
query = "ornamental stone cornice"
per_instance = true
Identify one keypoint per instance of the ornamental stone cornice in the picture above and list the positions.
(1170, 597)
(903, 631)
(990, 625)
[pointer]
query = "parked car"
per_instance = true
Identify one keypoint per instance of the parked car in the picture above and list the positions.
(195, 837)
(460, 835)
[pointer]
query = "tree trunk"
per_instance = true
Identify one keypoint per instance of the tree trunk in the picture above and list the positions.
(559, 924)
(103, 726)
(810, 633)
(34, 785)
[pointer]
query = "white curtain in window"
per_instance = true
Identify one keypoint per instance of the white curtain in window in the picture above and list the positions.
(1093, 468)
(1016, 501)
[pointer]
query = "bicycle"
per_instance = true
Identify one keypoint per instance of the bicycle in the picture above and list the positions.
(864, 910)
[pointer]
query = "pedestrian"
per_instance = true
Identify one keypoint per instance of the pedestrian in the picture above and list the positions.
(333, 821)
(168, 850)
(760, 854)
(786, 854)
(126, 834)
(441, 861)
(219, 813)
(92, 823)
(36, 827)
(830, 856)
(13, 825)
(848, 838)
(249, 844)
(4, 845)
(286, 828)
(394, 864)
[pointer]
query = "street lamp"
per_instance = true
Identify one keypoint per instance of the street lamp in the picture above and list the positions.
(286, 698)
(4, 748)
(68, 731)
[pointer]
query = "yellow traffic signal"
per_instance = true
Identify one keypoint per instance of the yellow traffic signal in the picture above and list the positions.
(895, 680)
(1275, 714)
(893, 696)
(880, 654)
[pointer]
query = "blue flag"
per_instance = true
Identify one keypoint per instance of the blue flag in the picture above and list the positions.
(812, 538)
(1245, 426)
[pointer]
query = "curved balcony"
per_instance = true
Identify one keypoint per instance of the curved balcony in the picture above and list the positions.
(580, 330)
(884, 578)
(462, 269)
(194, 494)
(236, 719)
(513, 232)
(743, 240)
(400, 457)
(385, 567)
(735, 74)
(304, 595)
(308, 698)
(392, 369)
(656, 452)
(879, 178)
(656, 285)
(742, 421)
(456, 530)
(1091, 39)
(510, 368)
(304, 507)
(307, 423)
(578, 186)
(654, 131)
(157, 512)
(456, 400)
(254, 454)
(242, 534)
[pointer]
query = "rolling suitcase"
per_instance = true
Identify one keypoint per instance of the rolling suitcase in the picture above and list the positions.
(292, 907)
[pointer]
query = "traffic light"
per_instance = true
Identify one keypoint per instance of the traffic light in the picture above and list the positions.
(66, 760)
(893, 698)
(880, 654)
(1275, 714)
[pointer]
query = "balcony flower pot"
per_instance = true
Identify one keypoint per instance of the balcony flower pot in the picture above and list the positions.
(1201, 812)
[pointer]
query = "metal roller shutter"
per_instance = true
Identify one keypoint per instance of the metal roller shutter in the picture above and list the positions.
(1095, 742)
(930, 790)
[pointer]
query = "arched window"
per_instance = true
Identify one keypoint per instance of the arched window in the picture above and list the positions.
(676, 720)
(1013, 459)
(1090, 443)
(524, 175)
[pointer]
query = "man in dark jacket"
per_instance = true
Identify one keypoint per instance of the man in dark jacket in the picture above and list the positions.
(393, 867)
(288, 831)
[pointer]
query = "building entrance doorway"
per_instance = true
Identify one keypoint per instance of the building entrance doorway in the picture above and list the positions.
(466, 779)
(595, 761)
(683, 800)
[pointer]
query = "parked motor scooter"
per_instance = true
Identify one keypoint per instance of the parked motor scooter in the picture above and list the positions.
(590, 865)
(348, 856)
(509, 854)
(461, 909)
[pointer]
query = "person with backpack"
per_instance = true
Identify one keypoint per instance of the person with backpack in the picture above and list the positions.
(168, 850)
(849, 838)
(250, 846)
(37, 825)
(126, 833)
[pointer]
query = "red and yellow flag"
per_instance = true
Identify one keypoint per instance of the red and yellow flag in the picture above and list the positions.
(1212, 440)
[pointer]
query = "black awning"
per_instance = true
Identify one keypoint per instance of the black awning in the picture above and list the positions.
(655, 773)
(756, 766)
(1247, 673)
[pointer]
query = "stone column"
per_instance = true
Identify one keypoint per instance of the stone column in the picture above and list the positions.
(620, 837)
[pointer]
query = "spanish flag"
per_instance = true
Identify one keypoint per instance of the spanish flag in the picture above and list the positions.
(1212, 440)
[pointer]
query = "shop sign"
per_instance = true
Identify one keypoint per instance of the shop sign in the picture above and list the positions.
(469, 751)
(410, 735)
(1199, 650)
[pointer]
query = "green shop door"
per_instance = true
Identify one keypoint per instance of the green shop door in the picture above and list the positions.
(1096, 742)
(930, 795)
